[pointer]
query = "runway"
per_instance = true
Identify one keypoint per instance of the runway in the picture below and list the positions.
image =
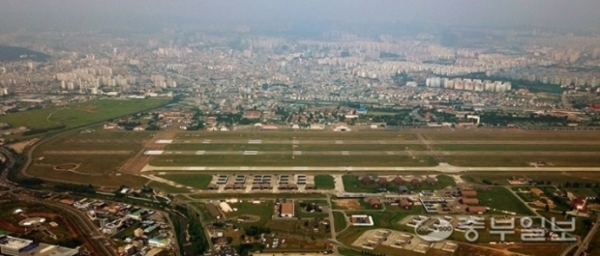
(376, 153)
(443, 168)
(386, 141)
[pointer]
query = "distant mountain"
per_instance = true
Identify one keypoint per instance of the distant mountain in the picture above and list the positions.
(15, 53)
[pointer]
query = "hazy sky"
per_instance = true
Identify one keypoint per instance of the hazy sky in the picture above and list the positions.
(572, 13)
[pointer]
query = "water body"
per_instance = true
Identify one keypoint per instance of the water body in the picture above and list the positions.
(15, 53)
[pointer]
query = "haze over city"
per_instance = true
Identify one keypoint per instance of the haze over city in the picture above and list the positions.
(340, 127)
(499, 13)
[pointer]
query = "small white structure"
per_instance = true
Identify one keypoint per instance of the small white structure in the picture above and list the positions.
(225, 207)
(153, 152)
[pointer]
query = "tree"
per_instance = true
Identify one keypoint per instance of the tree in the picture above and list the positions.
(547, 208)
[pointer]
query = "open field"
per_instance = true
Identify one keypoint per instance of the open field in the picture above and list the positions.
(339, 220)
(352, 184)
(264, 211)
(515, 147)
(502, 199)
(548, 178)
(324, 182)
(115, 181)
(286, 160)
(517, 160)
(199, 181)
(94, 151)
(166, 188)
(78, 114)
(508, 135)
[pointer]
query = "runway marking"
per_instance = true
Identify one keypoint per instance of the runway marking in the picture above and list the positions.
(295, 142)
(389, 152)
(206, 142)
(382, 142)
(300, 168)
(297, 153)
(339, 142)
(250, 153)
(255, 142)
(244, 168)
(345, 153)
(201, 152)
(399, 168)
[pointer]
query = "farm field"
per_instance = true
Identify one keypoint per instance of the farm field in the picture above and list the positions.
(79, 114)
(199, 181)
(286, 160)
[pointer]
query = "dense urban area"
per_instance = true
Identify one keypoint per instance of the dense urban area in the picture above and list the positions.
(231, 140)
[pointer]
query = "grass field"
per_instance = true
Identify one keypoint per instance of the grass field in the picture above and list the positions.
(300, 147)
(280, 160)
(323, 181)
(507, 135)
(79, 114)
(515, 147)
(353, 184)
(112, 181)
(502, 199)
(339, 220)
(166, 188)
(548, 178)
(98, 140)
(523, 161)
(264, 211)
(199, 181)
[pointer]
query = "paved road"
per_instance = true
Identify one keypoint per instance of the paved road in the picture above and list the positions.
(583, 246)
(444, 168)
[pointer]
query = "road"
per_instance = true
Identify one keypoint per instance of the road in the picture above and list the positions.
(583, 246)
